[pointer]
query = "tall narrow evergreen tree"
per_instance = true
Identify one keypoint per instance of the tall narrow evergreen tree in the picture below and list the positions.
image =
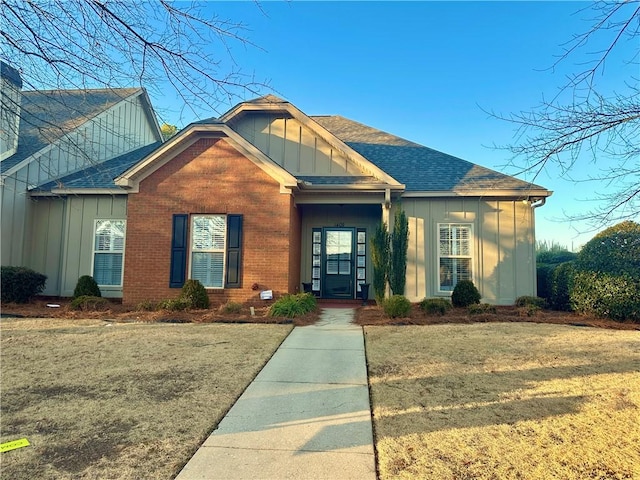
(399, 247)
(380, 259)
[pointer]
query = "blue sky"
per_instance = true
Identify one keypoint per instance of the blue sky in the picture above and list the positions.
(425, 71)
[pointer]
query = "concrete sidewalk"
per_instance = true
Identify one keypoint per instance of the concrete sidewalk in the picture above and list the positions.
(306, 415)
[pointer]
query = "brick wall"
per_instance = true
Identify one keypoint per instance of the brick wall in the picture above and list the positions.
(211, 176)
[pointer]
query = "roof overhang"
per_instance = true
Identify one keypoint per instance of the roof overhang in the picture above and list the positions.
(58, 192)
(532, 195)
(131, 179)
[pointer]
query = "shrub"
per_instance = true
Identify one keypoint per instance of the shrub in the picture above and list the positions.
(464, 294)
(291, 306)
(86, 286)
(526, 301)
(544, 277)
(613, 296)
(432, 306)
(147, 306)
(173, 304)
(231, 307)
(615, 250)
(561, 285)
(89, 303)
(194, 295)
(479, 308)
(398, 255)
(397, 306)
(20, 284)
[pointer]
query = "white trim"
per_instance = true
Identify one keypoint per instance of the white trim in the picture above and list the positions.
(481, 193)
(471, 256)
(210, 250)
(94, 251)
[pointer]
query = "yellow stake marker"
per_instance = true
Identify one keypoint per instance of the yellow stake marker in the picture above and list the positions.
(5, 447)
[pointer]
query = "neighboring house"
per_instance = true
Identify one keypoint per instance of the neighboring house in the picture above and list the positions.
(267, 197)
(56, 218)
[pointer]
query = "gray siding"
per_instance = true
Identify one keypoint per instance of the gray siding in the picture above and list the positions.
(62, 238)
(119, 130)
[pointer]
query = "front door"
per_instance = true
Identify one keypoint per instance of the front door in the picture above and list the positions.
(338, 263)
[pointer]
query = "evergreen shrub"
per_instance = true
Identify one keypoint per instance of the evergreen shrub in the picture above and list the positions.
(435, 306)
(397, 306)
(194, 295)
(464, 294)
(291, 306)
(20, 284)
(86, 286)
(89, 303)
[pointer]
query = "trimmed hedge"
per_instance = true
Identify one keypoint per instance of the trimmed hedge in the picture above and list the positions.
(464, 294)
(605, 295)
(561, 285)
(20, 284)
(86, 286)
(194, 295)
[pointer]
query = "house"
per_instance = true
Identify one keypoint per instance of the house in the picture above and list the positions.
(267, 197)
(51, 143)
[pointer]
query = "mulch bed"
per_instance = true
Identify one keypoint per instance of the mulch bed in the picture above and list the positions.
(365, 315)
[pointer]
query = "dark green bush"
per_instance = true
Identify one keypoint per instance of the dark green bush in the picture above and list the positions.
(464, 294)
(561, 285)
(231, 307)
(399, 240)
(86, 286)
(615, 250)
(555, 257)
(479, 308)
(612, 296)
(194, 295)
(544, 279)
(397, 306)
(525, 301)
(147, 306)
(89, 303)
(380, 259)
(20, 284)
(291, 306)
(173, 304)
(433, 306)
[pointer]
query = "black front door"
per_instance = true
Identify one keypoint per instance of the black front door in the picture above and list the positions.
(338, 263)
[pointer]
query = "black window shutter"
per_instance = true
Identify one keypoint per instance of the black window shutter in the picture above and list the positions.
(234, 251)
(178, 269)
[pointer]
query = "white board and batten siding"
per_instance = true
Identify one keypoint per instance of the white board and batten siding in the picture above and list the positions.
(62, 237)
(124, 127)
(293, 146)
(503, 246)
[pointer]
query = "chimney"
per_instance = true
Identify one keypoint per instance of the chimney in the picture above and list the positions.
(10, 96)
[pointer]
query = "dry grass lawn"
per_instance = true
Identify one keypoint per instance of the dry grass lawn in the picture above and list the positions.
(505, 401)
(100, 400)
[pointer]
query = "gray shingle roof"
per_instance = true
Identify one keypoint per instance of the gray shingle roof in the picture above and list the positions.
(420, 168)
(101, 175)
(47, 115)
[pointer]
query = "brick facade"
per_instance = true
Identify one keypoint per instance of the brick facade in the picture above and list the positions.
(210, 177)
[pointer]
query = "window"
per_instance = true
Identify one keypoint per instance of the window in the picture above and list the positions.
(108, 252)
(454, 254)
(208, 235)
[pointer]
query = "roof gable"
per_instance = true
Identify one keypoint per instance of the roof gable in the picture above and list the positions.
(48, 115)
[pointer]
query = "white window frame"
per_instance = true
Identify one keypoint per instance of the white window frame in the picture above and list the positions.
(95, 251)
(193, 249)
(453, 255)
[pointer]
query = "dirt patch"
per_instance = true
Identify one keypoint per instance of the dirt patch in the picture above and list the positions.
(374, 315)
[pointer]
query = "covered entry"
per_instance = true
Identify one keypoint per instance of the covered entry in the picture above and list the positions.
(339, 262)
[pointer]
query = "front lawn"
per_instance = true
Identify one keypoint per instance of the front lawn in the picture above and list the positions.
(127, 401)
(505, 401)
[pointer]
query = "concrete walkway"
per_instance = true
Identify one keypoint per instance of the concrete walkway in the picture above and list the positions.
(306, 415)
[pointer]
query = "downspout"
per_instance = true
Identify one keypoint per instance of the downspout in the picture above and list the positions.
(537, 204)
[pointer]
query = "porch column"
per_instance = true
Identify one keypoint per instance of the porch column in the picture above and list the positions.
(386, 207)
